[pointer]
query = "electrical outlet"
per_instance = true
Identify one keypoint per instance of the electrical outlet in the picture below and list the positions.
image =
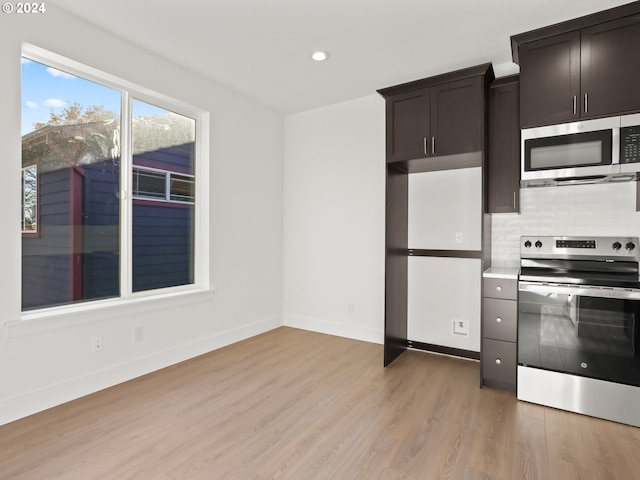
(461, 328)
(138, 333)
(458, 237)
(96, 344)
(351, 307)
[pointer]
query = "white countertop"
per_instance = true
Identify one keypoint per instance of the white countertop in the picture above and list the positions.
(501, 272)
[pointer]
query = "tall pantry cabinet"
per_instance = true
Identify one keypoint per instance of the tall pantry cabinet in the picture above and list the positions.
(437, 227)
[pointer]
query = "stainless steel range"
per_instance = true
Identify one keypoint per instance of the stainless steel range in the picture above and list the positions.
(579, 325)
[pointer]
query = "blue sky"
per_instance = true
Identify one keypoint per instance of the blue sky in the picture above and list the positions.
(45, 88)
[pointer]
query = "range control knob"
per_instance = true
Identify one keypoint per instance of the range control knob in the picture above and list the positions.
(538, 244)
(527, 244)
(630, 246)
(616, 246)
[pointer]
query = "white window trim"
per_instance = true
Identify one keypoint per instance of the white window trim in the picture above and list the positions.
(201, 214)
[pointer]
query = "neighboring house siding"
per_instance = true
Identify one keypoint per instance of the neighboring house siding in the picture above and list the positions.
(46, 259)
(162, 246)
(101, 220)
(178, 158)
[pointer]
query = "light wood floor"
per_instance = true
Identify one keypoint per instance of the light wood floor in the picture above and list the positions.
(291, 404)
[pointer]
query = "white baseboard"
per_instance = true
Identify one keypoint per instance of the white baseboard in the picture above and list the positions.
(21, 406)
(366, 334)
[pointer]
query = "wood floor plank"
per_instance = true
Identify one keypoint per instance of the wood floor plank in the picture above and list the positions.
(291, 404)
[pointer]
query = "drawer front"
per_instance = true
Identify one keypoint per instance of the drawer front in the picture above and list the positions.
(499, 319)
(501, 288)
(499, 361)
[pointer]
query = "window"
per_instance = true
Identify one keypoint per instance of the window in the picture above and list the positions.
(162, 185)
(85, 144)
(30, 199)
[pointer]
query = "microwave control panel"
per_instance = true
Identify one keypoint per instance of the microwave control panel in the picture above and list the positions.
(630, 144)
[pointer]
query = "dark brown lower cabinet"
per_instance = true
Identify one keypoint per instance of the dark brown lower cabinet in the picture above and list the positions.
(499, 332)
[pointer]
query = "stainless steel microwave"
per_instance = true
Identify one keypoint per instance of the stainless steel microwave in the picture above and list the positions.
(590, 151)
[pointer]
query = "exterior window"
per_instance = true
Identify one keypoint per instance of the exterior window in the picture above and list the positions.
(30, 199)
(161, 185)
(88, 246)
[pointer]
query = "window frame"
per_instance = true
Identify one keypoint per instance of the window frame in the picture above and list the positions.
(130, 92)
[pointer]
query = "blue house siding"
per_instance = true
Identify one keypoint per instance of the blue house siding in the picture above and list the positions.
(178, 158)
(101, 226)
(162, 246)
(46, 259)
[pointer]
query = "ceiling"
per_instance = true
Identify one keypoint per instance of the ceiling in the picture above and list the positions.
(261, 48)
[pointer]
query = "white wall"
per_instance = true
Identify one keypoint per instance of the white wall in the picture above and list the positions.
(49, 361)
(597, 210)
(334, 219)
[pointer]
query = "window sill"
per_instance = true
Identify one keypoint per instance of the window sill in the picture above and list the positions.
(101, 310)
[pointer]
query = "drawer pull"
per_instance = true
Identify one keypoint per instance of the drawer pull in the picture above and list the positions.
(499, 319)
(499, 288)
(498, 361)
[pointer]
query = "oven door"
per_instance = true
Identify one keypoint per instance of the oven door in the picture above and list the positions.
(588, 331)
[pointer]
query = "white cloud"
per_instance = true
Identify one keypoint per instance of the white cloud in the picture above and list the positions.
(30, 104)
(58, 74)
(54, 102)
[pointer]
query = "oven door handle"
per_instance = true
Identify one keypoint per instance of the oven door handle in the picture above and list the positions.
(582, 290)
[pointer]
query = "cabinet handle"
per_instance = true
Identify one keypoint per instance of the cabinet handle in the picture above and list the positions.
(575, 105)
(586, 103)
(499, 319)
(498, 361)
(425, 146)
(433, 145)
(499, 288)
(514, 200)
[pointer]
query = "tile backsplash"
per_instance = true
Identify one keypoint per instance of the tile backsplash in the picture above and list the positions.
(599, 210)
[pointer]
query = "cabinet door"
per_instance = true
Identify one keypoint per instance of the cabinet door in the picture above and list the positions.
(610, 64)
(407, 125)
(499, 363)
(550, 80)
(504, 149)
(457, 120)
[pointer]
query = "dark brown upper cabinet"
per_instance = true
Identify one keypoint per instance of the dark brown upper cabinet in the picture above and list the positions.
(610, 67)
(436, 117)
(504, 146)
(583, 68)
(408, 126)
(550, 80)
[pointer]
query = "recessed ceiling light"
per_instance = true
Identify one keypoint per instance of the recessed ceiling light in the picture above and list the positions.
(319, 56)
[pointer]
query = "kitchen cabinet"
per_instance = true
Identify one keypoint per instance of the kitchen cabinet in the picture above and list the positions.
(504, 146)
(435, 117)
(498, 362)
(432, 125)
(584, 68)
(610, 67)
(550, 80)
(408, 126)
